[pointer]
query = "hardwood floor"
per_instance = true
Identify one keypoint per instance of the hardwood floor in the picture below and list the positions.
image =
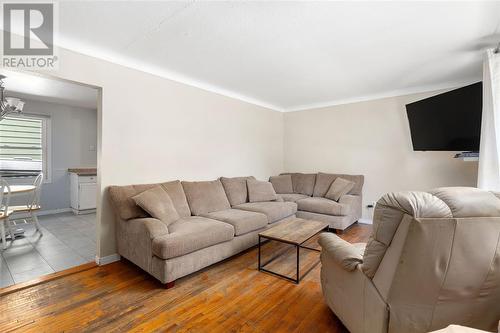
(231, 296)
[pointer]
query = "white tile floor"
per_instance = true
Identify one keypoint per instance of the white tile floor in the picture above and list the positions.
(67, 241)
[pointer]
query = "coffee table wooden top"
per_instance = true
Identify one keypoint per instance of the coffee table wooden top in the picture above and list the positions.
(295, 231)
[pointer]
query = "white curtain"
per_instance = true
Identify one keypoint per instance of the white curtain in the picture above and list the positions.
(489, 153)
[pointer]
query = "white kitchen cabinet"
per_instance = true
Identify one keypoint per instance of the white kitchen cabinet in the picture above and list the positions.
(83, 193)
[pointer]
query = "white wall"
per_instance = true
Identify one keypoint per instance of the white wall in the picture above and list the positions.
(153, 129)
(370, 138)
(73, 131)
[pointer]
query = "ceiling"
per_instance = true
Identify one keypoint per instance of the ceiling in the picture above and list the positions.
(35, 87)
(291, 55)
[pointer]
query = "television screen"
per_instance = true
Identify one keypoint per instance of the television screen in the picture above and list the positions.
(449, 121)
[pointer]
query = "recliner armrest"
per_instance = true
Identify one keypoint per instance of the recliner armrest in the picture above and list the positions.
(343, 253)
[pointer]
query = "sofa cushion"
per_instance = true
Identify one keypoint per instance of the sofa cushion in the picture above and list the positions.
(176, 193)
(323, 206)
(325, 180)
(157, 203)
(292, 197)
(126, 208)
(236, 189)
(191, 234)
(205, 197)
(303, 183)
(274, 210)
(339, 187)
(243, 221)
(259, 191)
(282, 184)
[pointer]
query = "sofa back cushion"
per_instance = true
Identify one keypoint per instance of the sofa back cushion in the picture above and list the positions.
(282, 184)
(387, 216)
(176, 193)
(469, 201)
(157, 203)
(259, 191)
(236, 189)
(126, 208)
(206, 196)
(303, 183)
(325, 180)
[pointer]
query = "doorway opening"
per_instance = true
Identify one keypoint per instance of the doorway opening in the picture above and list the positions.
(48, 168)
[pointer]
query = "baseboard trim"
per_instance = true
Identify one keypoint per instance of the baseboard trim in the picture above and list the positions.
(53, 211)
(83, 212)
(107, 259)
(365, 221)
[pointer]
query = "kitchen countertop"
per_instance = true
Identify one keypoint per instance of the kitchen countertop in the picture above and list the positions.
(84, 171)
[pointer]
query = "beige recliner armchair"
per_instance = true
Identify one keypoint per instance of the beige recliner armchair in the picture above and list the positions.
(433, 260)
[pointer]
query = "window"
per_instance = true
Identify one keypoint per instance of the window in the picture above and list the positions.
(24, 147)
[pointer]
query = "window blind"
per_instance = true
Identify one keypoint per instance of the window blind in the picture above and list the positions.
(21, 144)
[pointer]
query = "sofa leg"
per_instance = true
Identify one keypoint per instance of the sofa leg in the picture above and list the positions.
(169, 285)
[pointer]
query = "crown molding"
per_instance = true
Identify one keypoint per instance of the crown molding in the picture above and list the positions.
(166, 74)
(394, 93)
(183, 79)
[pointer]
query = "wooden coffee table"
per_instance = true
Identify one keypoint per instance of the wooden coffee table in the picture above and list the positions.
(296, 232)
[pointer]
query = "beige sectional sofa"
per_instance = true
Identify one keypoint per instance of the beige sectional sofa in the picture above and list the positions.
(309, 190)
(215, 221)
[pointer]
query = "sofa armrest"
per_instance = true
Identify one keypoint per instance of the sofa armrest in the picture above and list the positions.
(341, 252)
(135, 239)
(354, 202)
(153, 227)
(147, 226)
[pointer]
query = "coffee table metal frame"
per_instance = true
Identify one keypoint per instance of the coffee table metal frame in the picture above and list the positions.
(299, 246)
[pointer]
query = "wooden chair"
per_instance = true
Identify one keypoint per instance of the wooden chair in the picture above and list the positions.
(31, 207)
(4, 211)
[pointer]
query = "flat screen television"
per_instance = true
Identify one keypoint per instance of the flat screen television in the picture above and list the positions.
(447, 122)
